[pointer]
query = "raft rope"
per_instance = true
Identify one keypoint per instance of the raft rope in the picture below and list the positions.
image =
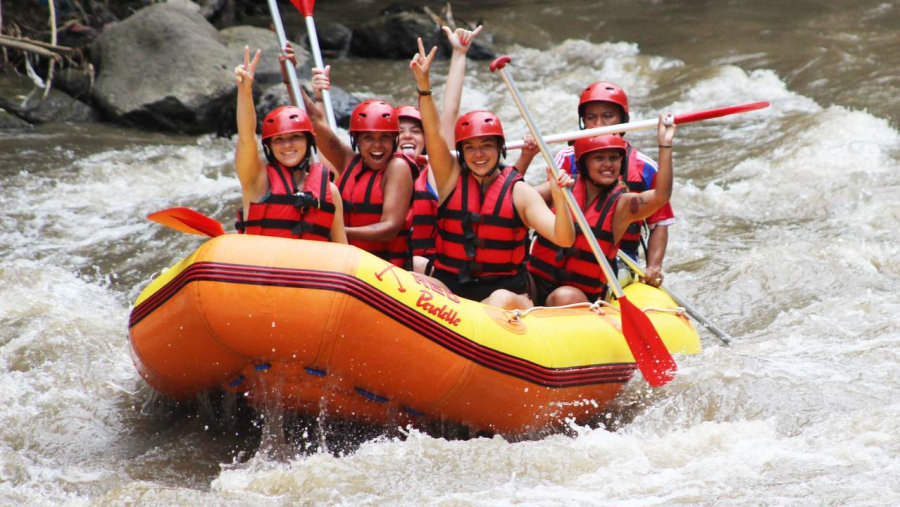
(596, 307)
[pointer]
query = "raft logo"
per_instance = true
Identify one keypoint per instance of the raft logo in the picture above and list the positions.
(426, 303)
(390, 268)
(441, 312)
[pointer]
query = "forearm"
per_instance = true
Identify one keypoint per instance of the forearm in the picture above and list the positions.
(523, 162)
(656, 245)
(563, 226)
(453, 92)
(379, 231)
(665, 175)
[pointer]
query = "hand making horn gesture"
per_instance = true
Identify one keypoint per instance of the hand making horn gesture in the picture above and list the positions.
(460, 39)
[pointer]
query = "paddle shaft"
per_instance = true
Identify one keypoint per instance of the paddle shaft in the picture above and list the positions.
(293, 81)
(317, 57)
(679, 119)
(570, 199)
(722, 335)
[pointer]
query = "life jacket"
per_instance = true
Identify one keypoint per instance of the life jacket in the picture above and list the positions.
(577, 266)
(481, 236)
(363, 204)
(423, 213)
(285, 213)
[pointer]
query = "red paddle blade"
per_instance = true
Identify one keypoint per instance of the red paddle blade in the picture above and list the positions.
(304, 6)
(715, 113)
(648, 349)
(189, 221)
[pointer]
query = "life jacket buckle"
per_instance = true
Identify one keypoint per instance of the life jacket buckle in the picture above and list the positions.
(306, 200)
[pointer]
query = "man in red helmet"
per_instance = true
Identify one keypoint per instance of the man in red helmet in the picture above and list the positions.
(602, 104)
(484, 214)
(565, 276)
(284, 195)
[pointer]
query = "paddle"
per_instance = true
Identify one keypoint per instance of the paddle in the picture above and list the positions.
(306, 9)
(650, 353)
(645, 124)
(189, 221)
(722, 335)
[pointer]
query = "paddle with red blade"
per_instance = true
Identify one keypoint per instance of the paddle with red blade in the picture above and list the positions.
(679, 119)
(650, 353)
(306, 9)
(189, 221)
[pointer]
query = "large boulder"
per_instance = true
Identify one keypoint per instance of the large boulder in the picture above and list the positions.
(20, 97)
(165, 67)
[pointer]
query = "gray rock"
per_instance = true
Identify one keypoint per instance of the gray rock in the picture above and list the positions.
(394, 35)
(164, 67)
(19, 96)
(268, 71)
(10, 122)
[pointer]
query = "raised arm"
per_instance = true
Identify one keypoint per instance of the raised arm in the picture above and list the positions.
(443, 164)
(633, 207)
(336, 151)
(250, 169)
(559, 227)
(460, 40)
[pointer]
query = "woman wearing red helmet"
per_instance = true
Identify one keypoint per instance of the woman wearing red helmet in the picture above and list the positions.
(569, 275)
(285, 195)
(601, 104)
(375, 180)
(484, 214)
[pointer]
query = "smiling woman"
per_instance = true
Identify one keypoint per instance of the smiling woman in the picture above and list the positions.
(285, 195)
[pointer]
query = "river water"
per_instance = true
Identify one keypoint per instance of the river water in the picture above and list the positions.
(786, 237)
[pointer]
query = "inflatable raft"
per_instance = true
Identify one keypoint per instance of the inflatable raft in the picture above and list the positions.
(322, 327)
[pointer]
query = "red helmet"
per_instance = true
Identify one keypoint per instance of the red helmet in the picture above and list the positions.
(478, 124)
(602, 91)
(607, 142)
(374, 115)
(409, 112)
(284, 120)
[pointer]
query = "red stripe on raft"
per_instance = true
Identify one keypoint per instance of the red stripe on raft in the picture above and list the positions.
(431, 330)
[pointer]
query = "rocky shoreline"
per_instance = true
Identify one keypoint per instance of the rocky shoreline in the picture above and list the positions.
(165, 66)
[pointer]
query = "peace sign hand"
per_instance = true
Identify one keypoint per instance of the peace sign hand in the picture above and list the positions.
(243, 74)
(421, 66)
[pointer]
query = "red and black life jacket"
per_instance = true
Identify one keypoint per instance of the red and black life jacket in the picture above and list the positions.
(423, 212)
(285, 213)
(363, 204)
(481, 236)
(576, 266)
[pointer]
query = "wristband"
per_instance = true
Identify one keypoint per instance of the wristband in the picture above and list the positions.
(422, 93)
(665, 146)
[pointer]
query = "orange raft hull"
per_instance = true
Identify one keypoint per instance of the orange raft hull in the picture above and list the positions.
(326, 328)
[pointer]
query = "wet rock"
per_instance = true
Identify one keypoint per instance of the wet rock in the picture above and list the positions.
(393, 35)
(165, 67)
(11, 122)
(268, 71)
(20, 96)
(334, 39)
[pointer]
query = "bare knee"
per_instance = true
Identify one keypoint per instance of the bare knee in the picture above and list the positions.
(508, 300)
(566, 295)
(420, 264)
